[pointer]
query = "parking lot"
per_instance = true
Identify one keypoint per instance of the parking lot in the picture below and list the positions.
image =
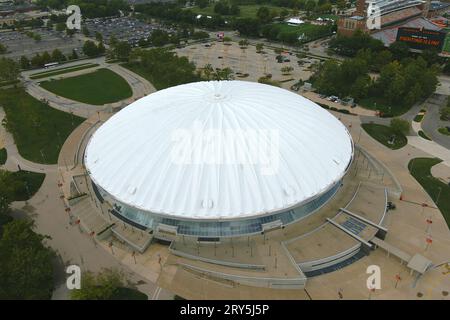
(20, 44)
(247, 64)
(123, 28)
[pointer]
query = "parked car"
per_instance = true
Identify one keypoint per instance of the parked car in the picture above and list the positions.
(333, 98)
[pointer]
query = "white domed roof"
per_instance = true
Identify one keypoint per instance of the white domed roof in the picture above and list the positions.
(210, 150)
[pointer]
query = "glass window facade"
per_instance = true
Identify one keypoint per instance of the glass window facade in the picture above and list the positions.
(227, 228)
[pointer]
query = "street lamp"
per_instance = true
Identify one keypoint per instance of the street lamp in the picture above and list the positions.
(42, 155)
(439, 195)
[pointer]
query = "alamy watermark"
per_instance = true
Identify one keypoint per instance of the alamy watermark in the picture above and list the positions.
(373, 20)
(74, 20)
(254, 147)
(73, 281)
(374, 280)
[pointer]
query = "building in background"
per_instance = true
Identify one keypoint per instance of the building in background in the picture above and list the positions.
(410, 16)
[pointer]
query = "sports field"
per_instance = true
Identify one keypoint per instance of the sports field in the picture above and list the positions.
(99, 87)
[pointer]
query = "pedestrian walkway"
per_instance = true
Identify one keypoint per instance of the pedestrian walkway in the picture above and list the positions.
(430, 147)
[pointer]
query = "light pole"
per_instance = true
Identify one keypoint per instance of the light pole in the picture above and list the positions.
(439, 195)
(42, 155)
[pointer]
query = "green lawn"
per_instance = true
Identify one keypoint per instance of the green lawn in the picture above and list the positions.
(39, 130)
(99, 87)
(28, 183)
(418, 118)
(420, 169)
(246, 11)
(444, 131)
(383, 133)
(3, 156)
(424, 135)
(375, 103)
(56, 72)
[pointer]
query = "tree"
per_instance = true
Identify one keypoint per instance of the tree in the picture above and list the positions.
(208, 71)
(46, 58)
(360, 88)
(70, 32)
(310, 5)
(263, 14)
(222, 8)
(286, 70)
(36, 61)
(24, 63)
(85, 31)
(3, 49)
(102, 286)
(400, 126)
(122, 50)
(58, 56)
(90, 49)
(200, 35)
(159, 38)
(98, 36)
(202, 3)
(243, 43)
(226, 39)
(101, 48)
(235, 10)
(164, 67)
(61, 26)
(9, 69)
(26, 268)
(73, 55)
(112, 40)
(247, 26)
(283, 14)
(431, 56)
(223, 74)
(399, 50)
(259, 47)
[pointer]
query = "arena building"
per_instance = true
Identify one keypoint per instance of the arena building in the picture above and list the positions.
(212, 160)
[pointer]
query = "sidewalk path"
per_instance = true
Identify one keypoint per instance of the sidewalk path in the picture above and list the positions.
(430, 147)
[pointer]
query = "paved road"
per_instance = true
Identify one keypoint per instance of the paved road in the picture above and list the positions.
(432, 122)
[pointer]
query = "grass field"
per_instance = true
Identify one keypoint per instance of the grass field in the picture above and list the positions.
(444, 131)
(383, 133)
(28, 184)
(99, 87)
(418, 118)
(423, 135)
(3, 156)
(56, 72)
(38, 130)
(246, 11)
(420, 169)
